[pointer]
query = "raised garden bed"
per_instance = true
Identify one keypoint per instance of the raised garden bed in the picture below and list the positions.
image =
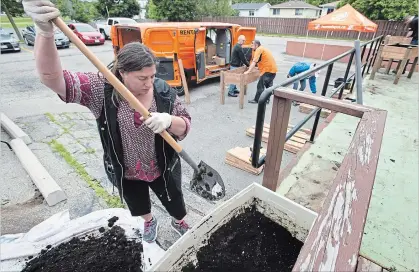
(256, 230)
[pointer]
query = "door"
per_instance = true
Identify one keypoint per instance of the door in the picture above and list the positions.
(250, 34)
(223, 44)
(162, 41)
(199, 49)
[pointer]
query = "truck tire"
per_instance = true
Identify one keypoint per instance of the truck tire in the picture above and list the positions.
(180, 90)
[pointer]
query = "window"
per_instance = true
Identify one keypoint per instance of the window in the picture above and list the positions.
(110, 21)
(298, 11)
(251, 13)
(276, 11)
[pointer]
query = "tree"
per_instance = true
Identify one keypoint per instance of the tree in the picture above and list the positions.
(121, 8)
(151, 11)
(215, 8)
(383, 9)
(13, 8)
(172, 10)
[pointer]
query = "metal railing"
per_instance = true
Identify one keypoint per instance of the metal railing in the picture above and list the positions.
(265, 96)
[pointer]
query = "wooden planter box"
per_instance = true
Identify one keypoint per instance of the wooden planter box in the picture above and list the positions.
(238, 78)
(292, 216)
(396, 52)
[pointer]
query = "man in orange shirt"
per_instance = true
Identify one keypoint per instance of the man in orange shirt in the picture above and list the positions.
(267, 67)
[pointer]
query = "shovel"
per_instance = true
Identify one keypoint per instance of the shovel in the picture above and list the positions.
(206, 182)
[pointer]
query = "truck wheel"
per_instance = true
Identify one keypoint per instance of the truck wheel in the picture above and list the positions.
(104, 34)
(180, 91)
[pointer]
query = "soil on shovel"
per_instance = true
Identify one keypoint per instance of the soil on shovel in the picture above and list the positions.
(109, 252)
(248, 242)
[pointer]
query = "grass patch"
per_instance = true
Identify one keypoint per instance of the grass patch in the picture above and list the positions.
(90, 150)
(20, 22)
(111, 201)
(51, 118)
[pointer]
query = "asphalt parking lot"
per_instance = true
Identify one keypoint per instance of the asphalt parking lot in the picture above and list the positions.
(215, 128)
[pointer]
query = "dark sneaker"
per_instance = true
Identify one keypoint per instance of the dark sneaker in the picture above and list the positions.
(181, 228)
(236, 91)
(232, 94)
(253, 101)
(150, 230)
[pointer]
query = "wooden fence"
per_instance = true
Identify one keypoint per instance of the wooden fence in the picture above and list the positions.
(298, 27)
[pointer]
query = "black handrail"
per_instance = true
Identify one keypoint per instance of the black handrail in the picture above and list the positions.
(265, 96)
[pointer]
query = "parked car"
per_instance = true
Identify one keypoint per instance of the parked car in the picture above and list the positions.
(8, 42)
(104, 27)
(87, 33)
(61, 40)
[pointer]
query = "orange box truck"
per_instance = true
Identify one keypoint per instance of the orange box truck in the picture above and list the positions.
(205, 48)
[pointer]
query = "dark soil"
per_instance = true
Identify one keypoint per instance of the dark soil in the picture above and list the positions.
(109, 252)
(248, 242)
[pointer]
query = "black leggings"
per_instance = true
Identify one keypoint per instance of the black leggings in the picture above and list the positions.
(136, 194)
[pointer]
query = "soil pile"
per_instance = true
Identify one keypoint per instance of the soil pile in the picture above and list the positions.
(109, 252)
(248, 242)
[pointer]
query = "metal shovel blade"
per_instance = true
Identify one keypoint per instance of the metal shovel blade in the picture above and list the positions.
(207, 182)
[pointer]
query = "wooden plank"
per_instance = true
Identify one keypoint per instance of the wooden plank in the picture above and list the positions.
(365, 265)
(281, 109)
(241, 92)
(379, 58)
(184, 82)
(222, 88)
(403, 64)
(323, 102)
(391, 55)
(298, 137)
(303, 135)
(240, 157)
(306, 108)
(412, 68)
(335, 237)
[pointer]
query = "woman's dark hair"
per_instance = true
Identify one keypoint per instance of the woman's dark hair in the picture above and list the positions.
(132, 57)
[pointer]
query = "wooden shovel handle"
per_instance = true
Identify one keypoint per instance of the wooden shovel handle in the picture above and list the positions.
(134, 103)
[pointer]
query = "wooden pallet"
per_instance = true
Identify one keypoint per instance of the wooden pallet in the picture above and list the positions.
(306, 108)
(293, 145)
(240, 157)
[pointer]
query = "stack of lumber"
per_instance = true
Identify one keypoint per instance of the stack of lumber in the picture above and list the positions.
(240, 157)
(293, 145)
(306, 108)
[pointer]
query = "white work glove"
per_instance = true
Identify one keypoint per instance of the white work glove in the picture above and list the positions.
(158, 121)
(41, 12)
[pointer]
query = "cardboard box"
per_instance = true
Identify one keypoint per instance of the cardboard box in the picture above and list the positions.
(211, 48)
(220, 61)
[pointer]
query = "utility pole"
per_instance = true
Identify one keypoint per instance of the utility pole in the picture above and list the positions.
(6, 10)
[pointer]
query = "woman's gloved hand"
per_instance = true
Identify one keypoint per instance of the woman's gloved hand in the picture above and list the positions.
(158, 121)
(41, 12)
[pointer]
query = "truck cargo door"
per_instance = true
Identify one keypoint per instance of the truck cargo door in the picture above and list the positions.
(162, 41)
(250, 34)
(199, 48)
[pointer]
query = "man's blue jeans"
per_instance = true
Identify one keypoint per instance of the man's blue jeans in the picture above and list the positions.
(302, 85)
(232, 87)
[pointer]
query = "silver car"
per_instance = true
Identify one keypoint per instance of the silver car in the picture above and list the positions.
(8, 42)
(61, 40)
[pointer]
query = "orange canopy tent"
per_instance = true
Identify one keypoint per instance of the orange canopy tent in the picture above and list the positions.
(344, 19)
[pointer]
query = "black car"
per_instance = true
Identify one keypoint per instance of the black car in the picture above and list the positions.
(61, 40)
(8, 42)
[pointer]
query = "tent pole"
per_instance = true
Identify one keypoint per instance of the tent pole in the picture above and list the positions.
(324, 44)
(305, 44)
